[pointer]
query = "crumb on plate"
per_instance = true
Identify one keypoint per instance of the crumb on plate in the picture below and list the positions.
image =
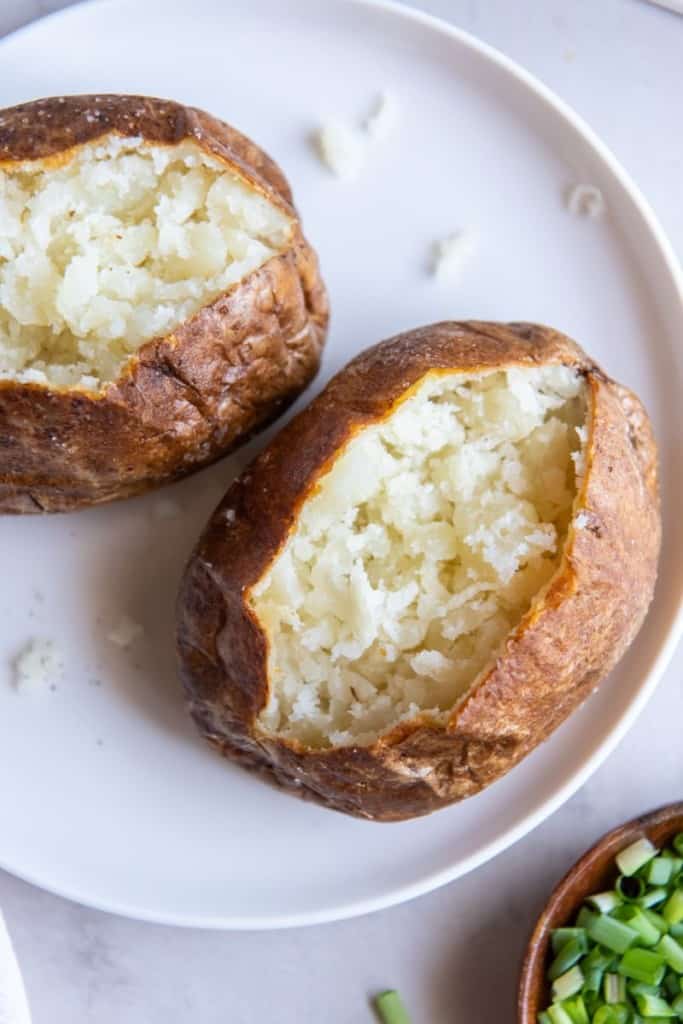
(344, 148)
(382, 118)
(451, 254)
(586, 201)
(341, 148)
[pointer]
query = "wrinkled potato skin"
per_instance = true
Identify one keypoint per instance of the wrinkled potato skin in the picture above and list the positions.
(567, 642)
(183, 400)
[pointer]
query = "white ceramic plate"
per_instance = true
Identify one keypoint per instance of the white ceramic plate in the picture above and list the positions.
(108, 796)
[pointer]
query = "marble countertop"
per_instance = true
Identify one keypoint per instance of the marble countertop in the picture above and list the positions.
(455, 953)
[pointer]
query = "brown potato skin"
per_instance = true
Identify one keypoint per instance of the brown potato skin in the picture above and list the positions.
(567, 642)
(185, 399)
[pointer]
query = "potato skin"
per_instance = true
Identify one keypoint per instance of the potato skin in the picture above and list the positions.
(567, 642)
(185, 399)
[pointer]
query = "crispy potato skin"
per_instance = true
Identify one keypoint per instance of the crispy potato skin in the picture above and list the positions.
(185, 399)
(570, 638)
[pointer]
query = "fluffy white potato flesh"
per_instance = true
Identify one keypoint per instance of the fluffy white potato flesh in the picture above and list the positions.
(419, 551)
(119, 244)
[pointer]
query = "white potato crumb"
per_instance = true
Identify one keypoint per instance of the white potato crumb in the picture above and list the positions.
(345, 148)
(38, 666)
(230, 515)
(451, 255)
(125, 632)
(382, 118)
(586, 201)
(342, 149)
(166, 508)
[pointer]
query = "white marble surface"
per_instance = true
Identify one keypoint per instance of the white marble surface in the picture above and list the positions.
(455, 953)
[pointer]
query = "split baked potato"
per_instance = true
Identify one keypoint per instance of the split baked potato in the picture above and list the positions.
(426, 571)
(158, 301)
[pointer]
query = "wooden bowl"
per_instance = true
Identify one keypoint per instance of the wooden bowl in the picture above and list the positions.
(594, 872)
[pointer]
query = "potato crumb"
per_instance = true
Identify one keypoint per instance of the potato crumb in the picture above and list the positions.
(38, 667)
(451, 254)
(344, 148)
(125, 632)
(586, 201)
(382, 118)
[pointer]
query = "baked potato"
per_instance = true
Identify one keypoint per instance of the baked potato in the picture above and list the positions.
(426, 571)
(158, 301)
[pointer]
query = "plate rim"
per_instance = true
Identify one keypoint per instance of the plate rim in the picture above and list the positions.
(667, 646)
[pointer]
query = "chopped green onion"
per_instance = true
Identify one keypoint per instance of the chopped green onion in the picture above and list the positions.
(616, 1014)
(605, 902)
(391, 1009)
(659, 871)
(653, 1006)
(614, 934)
(672, 911)
(652, 897)
(642, 965)
(600, 959)
(636, 987)
(672, 953)
(656, 919)
(567, 985)
(615, 988)
(558, 1014)
(569, 955)
(593, 979)
(672, 984)
(677, 843)
(576, 1008)
(635, 918)
(620, 953)
(630, 887)
(635, 856)
(593, 1001)
(561, 936)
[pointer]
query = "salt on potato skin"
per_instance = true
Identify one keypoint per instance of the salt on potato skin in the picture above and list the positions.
(190, 391)
(576, 628)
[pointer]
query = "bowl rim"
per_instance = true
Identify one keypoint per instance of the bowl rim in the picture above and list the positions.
(536, 950)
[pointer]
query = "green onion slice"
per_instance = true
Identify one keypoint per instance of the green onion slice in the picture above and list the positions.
(391, 1009)
(642, 965)
(635, 856)
(672, 911)
(615, 935)
(605, 902)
